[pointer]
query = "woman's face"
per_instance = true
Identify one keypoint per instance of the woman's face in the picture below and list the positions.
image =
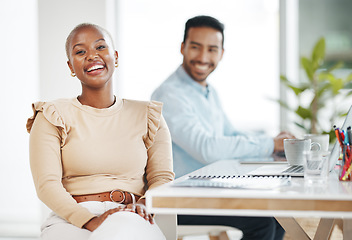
(92, 57)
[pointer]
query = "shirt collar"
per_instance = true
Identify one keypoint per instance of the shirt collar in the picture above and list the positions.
(188, 80)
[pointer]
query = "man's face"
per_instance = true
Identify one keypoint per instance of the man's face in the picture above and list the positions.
(202, 51)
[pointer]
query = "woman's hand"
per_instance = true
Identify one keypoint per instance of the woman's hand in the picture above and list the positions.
(138, 208)
(141, 210)
(95, 222)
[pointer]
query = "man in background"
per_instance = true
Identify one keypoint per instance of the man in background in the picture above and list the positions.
(200, 130)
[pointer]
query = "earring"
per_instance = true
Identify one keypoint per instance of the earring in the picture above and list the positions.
(116, 62)
(73, 74)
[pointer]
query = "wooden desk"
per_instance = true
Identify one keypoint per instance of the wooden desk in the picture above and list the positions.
(333, 201)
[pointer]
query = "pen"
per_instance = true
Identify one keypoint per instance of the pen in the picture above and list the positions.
(349, 134)
(342, 134)
(347, 139)
(338, 136)
(348, 154)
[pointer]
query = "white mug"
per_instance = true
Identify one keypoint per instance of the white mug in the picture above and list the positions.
(322, 139)
(295, 148)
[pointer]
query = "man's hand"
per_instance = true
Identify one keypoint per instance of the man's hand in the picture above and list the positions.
(279, 140)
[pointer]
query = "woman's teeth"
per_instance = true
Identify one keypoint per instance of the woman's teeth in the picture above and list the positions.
(95, 67)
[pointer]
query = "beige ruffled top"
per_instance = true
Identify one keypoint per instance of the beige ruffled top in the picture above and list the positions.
(77, 149)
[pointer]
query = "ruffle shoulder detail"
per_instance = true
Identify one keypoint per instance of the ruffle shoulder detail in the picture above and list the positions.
(154, 116)
(52, 115)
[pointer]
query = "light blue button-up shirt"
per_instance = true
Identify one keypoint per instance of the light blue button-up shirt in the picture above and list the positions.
(200, 130)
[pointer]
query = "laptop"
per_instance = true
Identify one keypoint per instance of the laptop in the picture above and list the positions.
(297, 171)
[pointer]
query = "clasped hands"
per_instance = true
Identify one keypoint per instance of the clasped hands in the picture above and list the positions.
(138, 208)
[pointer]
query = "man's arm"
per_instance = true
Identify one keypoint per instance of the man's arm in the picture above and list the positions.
(189, 134)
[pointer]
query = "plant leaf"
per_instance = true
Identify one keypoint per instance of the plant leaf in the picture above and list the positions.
(304, 113)
(336, 66)
(282, 104)
(283, 78)
(326, 76)
(349, 78)
(337, 85)
(296, 90)
(301, 126)
(318, 54)
(308, 67)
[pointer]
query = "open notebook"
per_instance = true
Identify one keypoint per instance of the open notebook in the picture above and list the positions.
(297, 171)
(237, 181)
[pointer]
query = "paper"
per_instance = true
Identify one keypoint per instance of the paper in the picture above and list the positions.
(238, 181)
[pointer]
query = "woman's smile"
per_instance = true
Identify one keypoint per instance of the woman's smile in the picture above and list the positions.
(95, 68)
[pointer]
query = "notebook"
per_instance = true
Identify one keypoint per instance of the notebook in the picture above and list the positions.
(297, 171)
(236, 181)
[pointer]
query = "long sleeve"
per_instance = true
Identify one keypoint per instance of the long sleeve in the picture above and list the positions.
(159, 169)
(202, 143)
(46, 167)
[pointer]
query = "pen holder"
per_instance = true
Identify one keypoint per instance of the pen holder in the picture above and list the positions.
(345, 172)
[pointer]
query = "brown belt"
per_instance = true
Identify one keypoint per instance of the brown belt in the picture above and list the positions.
(117, 196)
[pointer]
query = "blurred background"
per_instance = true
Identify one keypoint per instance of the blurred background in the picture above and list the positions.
(263, 39)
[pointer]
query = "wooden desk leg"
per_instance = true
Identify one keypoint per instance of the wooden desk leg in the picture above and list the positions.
(347, 229)
(293, 229)
(324, 229)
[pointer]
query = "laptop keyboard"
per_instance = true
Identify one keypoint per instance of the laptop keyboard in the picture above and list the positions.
(294, 169)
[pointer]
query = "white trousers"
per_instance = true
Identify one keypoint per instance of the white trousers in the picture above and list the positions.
(118, 226)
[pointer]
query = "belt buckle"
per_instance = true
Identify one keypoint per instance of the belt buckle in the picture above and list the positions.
(123, 194)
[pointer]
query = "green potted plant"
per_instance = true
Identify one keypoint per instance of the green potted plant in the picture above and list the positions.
(320, 88)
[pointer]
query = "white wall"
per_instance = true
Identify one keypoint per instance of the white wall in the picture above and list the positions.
(19, 86)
